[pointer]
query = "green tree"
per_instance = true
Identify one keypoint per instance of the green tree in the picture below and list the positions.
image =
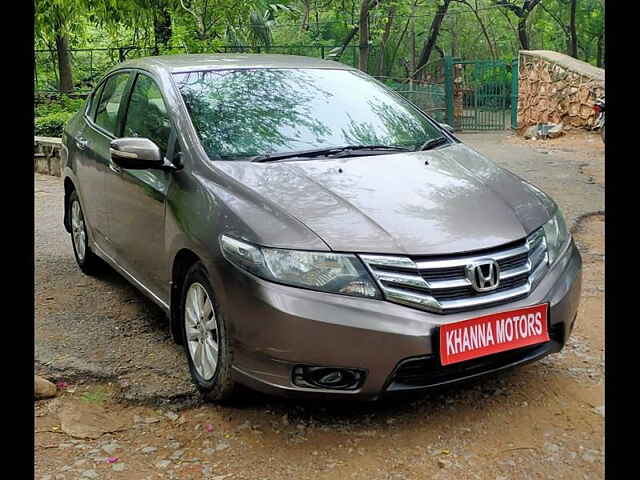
(57, 21)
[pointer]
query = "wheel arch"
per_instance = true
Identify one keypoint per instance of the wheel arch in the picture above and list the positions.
(182, 262)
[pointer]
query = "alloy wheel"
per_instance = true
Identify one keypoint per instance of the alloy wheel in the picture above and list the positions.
(201, 328)
(78, 231)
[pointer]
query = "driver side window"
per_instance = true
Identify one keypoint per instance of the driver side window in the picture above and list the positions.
(147, 114)
(109, 104)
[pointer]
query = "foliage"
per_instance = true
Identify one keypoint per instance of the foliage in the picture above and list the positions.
(51, 125)
(399, 29)
(51, 115)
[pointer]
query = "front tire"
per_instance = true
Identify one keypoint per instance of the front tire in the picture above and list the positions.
(206, 339)
(88, 261)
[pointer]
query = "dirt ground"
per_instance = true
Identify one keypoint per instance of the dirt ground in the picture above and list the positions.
(111, 348)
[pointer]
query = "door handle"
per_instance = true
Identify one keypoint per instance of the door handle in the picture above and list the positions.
(81, 143)
(113, 167)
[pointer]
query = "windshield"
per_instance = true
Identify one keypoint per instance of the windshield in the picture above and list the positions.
(248, 112)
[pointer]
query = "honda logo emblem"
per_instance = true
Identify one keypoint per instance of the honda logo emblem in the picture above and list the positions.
(484, 275)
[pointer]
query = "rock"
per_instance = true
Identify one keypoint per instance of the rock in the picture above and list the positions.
(442, 463)
(555, 130)
(222, 446)
(147, 450)
(171, 415)
(599, 410)
(163, 464)
(177, 454)
(551, 447)
(90, 474)
(119, 467)
(44, 388)
(110, 448)
(244, 426)
(531, 132)
(88, 420)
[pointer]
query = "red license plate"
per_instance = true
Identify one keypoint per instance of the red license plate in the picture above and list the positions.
(493, 333)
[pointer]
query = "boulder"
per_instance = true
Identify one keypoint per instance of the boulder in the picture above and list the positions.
(44, 388)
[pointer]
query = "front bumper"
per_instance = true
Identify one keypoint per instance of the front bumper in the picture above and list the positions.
(276, 327)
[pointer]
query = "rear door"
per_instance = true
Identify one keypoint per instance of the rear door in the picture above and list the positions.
(102, 123)
(136, 198)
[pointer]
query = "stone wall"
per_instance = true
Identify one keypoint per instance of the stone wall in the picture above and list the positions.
(556, 88)
(47, 158)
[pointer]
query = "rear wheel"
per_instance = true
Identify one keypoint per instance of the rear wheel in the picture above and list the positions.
(88, 261)
(602, 133)
(206, 339)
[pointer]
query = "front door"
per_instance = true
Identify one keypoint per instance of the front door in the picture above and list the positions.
(136, 198)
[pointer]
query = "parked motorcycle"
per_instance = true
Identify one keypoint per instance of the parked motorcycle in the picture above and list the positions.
(598, 107)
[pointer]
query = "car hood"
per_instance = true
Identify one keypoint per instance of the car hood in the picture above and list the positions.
(415, 203)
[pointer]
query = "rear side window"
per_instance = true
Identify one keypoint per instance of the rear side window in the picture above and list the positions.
(107, 112)
(147, 114)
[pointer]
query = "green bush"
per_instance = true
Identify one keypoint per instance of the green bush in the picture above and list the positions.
(52, 114)
(51, 125)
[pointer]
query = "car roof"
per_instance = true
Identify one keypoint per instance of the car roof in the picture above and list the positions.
(222, 61)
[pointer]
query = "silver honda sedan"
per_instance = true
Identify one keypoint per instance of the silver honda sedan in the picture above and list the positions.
(309, 232)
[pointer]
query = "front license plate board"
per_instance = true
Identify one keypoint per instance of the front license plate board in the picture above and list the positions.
(493, 333)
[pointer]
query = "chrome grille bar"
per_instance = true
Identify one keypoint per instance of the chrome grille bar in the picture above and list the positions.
(441, 285)
(486, 299)
(464, 261)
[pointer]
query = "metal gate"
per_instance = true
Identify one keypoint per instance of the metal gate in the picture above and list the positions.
(481, 95)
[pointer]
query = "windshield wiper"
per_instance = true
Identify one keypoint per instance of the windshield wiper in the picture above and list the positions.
(319, 152)
(433, 143)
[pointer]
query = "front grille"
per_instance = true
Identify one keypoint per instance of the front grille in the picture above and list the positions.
(439, 283)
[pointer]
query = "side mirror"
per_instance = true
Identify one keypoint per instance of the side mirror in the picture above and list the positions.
(135, 153)
(447, 127)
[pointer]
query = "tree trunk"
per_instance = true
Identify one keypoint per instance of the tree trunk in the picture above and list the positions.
(572, 27)
(306, 11)
(599, 50)
(347, 41)
(352, 33)
(523, 14)
(161, 29)
(402, 35)
(64, 64)
(523, 37)
(385, 38)
(433, 36)
(363, 50)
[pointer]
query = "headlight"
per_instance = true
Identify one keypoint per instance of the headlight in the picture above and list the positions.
(327, 272)
(557, 236)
